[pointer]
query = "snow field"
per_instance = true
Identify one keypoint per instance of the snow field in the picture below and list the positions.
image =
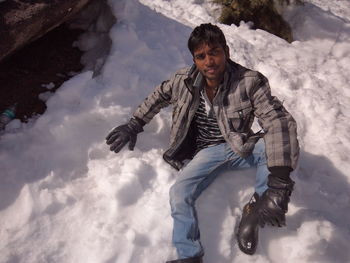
(64, 197)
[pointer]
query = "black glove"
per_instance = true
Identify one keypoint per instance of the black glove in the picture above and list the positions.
(121, 135)
(273, 204)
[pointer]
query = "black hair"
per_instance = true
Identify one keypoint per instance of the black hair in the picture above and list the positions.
(206, 34)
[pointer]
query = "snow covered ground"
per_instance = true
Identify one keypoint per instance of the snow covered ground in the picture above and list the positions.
(64, 197)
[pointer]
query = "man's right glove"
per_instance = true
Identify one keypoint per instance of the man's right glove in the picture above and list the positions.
(273, 204)
(121, 135)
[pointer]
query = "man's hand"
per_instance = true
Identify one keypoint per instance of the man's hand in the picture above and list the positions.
(273, 204)
(121, 135)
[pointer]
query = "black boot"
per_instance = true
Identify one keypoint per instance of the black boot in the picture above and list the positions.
(248, 230)
(187, 260)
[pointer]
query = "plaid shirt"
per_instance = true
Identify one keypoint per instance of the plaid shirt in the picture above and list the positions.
(243, 95)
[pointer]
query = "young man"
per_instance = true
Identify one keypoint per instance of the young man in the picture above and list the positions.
(214, 104)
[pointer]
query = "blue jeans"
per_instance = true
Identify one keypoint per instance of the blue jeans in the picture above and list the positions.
(199, 173)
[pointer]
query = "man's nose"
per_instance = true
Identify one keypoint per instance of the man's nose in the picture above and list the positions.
(209, 60)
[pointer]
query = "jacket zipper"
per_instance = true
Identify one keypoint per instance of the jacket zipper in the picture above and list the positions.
(191, 113)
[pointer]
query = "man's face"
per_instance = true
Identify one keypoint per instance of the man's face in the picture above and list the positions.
(211, 60)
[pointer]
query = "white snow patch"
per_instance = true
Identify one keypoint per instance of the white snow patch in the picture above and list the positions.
(64, 197)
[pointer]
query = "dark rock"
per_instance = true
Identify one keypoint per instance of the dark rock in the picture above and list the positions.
(22, 21)
(262, 13)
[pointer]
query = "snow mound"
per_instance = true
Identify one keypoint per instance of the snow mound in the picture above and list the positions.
(64, 197)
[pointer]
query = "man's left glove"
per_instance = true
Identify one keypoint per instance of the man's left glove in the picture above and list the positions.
(121, 135)
(273, 204)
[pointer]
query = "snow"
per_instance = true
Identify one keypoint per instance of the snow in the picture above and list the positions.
(64, 197)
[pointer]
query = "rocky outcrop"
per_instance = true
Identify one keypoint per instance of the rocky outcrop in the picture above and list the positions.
(22, 21)
(263, 13)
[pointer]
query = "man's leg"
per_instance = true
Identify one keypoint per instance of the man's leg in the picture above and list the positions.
(256, 160)
(192, 180)
(248, 230)
(262, 173)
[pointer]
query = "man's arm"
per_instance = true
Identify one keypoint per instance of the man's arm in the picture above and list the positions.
(282, 151)
(282, 147)
(161, 97)
(118, 137)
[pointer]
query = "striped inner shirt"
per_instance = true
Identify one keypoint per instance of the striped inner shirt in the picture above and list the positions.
(208, 132)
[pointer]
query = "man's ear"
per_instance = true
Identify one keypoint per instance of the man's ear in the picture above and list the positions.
(227, 52)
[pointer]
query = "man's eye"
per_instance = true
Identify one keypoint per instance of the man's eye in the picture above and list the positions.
(214, 53)
(200, 57)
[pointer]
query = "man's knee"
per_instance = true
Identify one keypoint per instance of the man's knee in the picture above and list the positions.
(259, 151)
(260, 146)
(179, 196)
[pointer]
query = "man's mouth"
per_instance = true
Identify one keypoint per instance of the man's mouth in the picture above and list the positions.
(211, 70)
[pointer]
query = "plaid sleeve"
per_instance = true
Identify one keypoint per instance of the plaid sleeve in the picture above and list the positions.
(282, 147)
(161, 97)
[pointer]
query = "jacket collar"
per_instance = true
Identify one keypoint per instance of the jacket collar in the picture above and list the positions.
(198, 81)
(191, 78)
